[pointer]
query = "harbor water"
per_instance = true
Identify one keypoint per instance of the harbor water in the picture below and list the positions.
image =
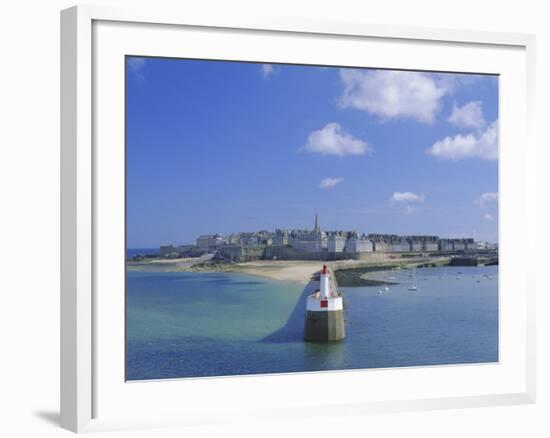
(219, 324)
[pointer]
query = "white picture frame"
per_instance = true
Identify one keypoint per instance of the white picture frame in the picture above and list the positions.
(84, 380)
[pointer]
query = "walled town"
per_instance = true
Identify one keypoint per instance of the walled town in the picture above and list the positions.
(316, 244)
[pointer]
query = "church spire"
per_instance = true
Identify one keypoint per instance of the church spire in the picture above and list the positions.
(317, 228)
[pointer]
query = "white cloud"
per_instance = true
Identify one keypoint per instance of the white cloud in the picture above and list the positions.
(266, 70)
(327, 183)
(468, 116)
(407, 197)
(486, 198)
(488, 217)
(392, 94)
(452, 81)
(333, 140)
(135, 65)
(480, 144)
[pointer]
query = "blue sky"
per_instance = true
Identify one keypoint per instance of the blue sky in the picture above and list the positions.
(229, 146)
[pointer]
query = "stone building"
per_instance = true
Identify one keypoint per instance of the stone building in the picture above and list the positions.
(399, 244)
(430, 243)
(336, 243)
(358, 244)
(457, 244)
(280, 238)
(308, 240)
(387, 242)
(209, 241)
(234, 239)
(423, 243)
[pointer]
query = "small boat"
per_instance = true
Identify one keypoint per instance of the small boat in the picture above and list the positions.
(386, 288)
(413, 287)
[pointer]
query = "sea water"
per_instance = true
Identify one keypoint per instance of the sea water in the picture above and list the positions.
(218, 324)
(131, 252)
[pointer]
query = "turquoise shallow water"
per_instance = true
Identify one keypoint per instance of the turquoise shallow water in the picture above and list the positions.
(214, 324)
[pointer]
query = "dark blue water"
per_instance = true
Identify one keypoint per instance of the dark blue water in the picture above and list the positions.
(131, 252)
(213, 324)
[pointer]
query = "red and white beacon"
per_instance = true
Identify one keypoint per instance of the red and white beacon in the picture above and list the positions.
(325, 311)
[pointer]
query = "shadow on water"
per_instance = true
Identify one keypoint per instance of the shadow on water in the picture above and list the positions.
(293, 330)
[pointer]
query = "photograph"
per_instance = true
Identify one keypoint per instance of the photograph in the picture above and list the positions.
(258, 219)
(288, 218)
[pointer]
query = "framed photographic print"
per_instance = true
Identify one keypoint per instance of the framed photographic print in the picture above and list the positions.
(255, 214)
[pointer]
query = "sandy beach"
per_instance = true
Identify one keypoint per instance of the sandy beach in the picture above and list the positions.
(370, 271)
(299, 271)
(286, 270)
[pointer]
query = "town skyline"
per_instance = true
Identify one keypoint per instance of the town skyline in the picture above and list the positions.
(227, 237)
(222, 147)
(315, 244)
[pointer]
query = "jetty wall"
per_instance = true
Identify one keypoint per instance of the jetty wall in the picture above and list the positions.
(324, 326)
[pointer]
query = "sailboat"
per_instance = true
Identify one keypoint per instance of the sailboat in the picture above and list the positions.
(413, 284)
